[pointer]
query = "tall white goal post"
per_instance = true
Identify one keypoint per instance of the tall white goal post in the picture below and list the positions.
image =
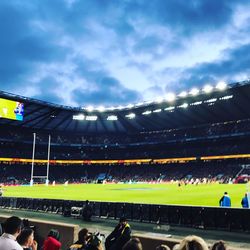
(32, 177)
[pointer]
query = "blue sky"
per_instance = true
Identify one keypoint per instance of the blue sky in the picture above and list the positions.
(100, 52)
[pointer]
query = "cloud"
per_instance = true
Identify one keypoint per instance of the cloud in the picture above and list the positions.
(109, 91)
(77, 53)
(21, 47)
(234, 66)
(49, 90)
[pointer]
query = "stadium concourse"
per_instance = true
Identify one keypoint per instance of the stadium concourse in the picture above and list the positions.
(197, 136)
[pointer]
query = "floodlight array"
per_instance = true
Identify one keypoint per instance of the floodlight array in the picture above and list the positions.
(168, 98)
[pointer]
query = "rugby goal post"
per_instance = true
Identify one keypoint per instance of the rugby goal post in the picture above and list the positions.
(32, 177)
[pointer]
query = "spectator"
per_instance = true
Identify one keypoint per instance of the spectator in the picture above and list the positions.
(83, 238)
(52, 242)
(26, 239)
(244, 202)
(12, 228)
(120, 235)
(225, 200)
(87, 211)
(162, 247)
(135, 244)
(95, 242)
(193, 242)
(220, 245)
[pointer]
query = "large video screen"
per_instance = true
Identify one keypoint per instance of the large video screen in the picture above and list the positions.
(11, 109)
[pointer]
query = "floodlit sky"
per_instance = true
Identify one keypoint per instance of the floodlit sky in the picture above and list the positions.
(116, 52)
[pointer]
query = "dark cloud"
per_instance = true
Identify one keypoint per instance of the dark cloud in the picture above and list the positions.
(22, 47)
(49, 90)
(109, 91)
(148, 43)
(33, 32)
(236, 62)
(190, 16)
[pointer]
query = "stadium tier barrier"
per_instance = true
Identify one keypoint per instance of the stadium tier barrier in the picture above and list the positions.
(227, 219)
(68, 232)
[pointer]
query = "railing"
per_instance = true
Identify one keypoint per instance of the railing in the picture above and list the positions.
(228, 219)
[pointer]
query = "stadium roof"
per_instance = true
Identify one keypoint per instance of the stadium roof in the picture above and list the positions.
(210, 105)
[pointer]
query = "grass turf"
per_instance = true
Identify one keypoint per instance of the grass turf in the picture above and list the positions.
(201, 195)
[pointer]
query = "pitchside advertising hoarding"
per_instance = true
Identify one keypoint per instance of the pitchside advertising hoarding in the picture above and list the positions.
(11, 109)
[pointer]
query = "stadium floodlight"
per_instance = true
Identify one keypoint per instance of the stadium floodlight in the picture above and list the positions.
(139, 104)
(194, 91)
(90, 108)
(147, 112)
(196, 103)
(183, 94)
(211, 100)
(130, 116)
(170, 97)
(112, 118)
(79, 117)
(129, 106)
(169, 108)
(159, 100)
(184, 105)
(120, 107)
(91, 118)
(226, 97)
(148, 102)
(208, 89)
(157, 111)
(111, 108)
(101, 109)
(221, 86)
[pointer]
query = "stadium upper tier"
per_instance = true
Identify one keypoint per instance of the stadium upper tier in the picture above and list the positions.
(197, 108)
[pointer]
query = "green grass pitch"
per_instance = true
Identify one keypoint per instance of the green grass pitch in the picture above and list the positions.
(200, 195)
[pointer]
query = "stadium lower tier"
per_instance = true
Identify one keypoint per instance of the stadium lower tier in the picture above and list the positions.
(223, 171)
(170, 149)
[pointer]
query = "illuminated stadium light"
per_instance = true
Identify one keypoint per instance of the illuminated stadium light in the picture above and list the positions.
(79, 117)
(196, 103)
(211, 100)
(90, 108)
(148, 102)
(112, 118)
(101, 109)
(208, 89)
(159, 100)
(111, 108)
(91, 118)
(226, 97)
(129, 106)
(139, 104)
(194, 91)
(130, 116)
(169, 108)
(148, 112)
(157, 111)
(184, 105)
(120, 107)
(170, 97)
(183, 94)
(221, 86)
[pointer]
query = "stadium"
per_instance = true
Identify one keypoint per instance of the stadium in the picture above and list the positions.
(166, 162)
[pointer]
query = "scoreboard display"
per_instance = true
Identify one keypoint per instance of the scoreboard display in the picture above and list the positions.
(11, 109)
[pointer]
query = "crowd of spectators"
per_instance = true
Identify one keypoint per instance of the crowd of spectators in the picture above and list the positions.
(17, 236)
(201, 172)
(198, 148)
(232, 128)
(205, 140)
